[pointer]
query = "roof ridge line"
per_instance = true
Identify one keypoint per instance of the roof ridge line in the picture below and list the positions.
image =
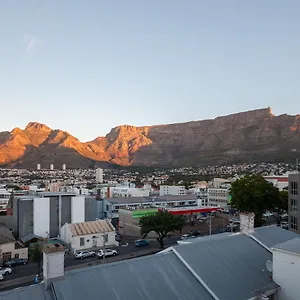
(195, 274)
(259, 242)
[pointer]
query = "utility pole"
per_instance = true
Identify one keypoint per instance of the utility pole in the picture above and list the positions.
(208, 221)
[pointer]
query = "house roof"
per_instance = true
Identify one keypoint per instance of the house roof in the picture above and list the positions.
(292, 246)
(85, 228)
(154, 277)
(33, 292)
(6, 235)
(273, 235)
(125, 200)
(232, 266)
(29, 237)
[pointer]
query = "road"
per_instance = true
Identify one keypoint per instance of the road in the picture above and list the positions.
(70, 261)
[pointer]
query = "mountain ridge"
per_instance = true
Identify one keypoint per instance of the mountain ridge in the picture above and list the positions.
(254, 135)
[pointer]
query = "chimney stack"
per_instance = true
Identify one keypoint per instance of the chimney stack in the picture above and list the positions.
(247, 222)
(53, 263)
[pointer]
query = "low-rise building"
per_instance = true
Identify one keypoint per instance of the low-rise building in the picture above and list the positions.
(86, 235)
(171, 190)
(9, 247)
(218, 197)
(280, 182)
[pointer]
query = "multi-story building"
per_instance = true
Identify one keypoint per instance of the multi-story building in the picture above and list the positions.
(281, 182)
(4, 198)
(171, 190)
(218, 197)
(99, 175)
(124, 191)
(294, 200)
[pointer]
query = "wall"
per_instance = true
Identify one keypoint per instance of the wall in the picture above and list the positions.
(10, 247)
(41, 216)
(54, 216)
(286, 270)
(23, 216)
(90, 242)
(296, 214)
(77, 209)
(65, 210)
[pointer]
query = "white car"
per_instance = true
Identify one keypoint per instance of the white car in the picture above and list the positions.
(83, 254)
(187, 236)
(108, 252)
(5, 271)
(1, 277)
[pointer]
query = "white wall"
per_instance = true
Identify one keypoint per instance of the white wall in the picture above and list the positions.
(77, 209)
(286, 273)
(89, 241)
(41, 216)
(165, 190)
(53, 265)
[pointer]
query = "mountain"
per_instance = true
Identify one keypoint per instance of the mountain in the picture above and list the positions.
(249, 136)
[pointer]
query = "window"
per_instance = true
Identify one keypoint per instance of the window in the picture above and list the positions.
(294, 223)
(81, 241)
(294, 188)
(17, 255)
(107, 207)
(294, 205)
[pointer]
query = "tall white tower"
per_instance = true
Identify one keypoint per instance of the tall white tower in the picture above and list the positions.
(99, 175)
(64, 167)
(52, 167)
(38, 167)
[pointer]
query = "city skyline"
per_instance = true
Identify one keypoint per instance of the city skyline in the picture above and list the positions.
(88, 68)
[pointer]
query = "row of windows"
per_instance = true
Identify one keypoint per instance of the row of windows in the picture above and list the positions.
(294, 188)
(294, 223)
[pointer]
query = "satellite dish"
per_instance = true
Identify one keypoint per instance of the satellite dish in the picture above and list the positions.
(269, 265)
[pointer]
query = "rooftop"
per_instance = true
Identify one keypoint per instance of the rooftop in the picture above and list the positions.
(6, 235)
(292, 246)
(92, 227)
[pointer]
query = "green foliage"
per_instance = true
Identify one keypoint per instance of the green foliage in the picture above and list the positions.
(162, 223)
(284, 200)
(36, 255)
(253, 193)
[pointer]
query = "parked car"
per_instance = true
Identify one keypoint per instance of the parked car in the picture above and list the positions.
(284, 225)
(141, 243)
(1, 277)
(83, 254)
(15, 262)
(118, 237)
(5, 271)
(195, 232)
(108, 252)
(187, 236)
(231, 228)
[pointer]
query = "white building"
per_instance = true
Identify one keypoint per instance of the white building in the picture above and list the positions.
(99, 175)
(171, 190)
(38, 167)
(88, 235)
(64, 167)
(220, 183)
(286, 269)
(218, 197)
(51, 167)
(124, 191)
(280, 182)
(4, 198)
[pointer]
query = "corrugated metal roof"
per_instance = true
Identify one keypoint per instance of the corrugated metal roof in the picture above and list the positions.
(273, 235)
(233, 267)
(85, 228)
(150, 278)
(292, 246)
(33, 292)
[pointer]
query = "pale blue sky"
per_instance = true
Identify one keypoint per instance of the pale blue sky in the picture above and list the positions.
(86, 66)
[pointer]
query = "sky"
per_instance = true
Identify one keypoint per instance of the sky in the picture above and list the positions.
(87, 66)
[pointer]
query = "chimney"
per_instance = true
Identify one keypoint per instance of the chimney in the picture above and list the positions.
(53, 263)
(247, 222)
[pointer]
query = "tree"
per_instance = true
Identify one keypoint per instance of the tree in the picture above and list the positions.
(284, 200)
(162, 223)
(36, 255)
(253, 193)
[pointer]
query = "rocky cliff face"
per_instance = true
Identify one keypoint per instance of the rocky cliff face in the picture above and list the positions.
(243, 137)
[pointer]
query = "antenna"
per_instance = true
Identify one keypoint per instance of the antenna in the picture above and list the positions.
(269, 265)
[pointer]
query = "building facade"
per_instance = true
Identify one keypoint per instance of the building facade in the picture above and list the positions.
(294, 199)
(218, 197)
(171, 190)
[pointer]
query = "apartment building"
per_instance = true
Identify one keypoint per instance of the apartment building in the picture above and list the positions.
(294, 200)
(171, 190)
(4, 198)
(218, 197)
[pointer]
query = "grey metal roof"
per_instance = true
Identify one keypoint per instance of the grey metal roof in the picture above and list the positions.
(29, 237)
(292, 246)
(156, 277)
(233, 267)
(150, 199)
(273, 235)
(33, 292)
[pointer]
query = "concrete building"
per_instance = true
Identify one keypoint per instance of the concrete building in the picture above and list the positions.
(294, 200)
(125, 191)
(48, 212)
(171, 190)
(51, 167)
(64, 167)
(4, 199)
(218, 197)
(280, 182)
(38, 167)
(86, 235)
(99, 175)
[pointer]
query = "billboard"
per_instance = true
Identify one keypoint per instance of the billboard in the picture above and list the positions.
(137, 214)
